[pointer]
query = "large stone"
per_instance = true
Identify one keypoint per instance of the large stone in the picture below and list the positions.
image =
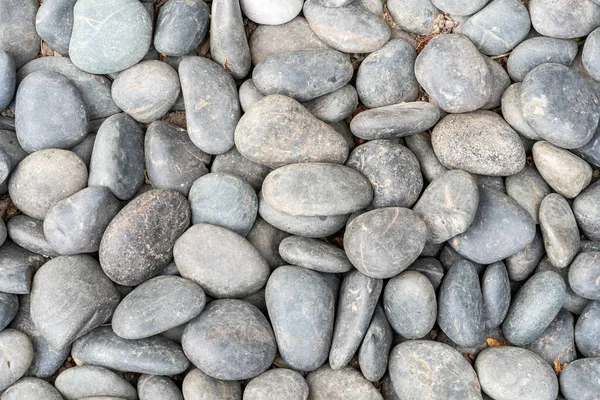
(334, 106)
(181, 26)
(375, 347)
(228, 43)
(54, 23)
(8, 79)
(586, 208)
(138, 242)
(234, 163)
(153, 387)
(584, 275)
(564, 19)
(539, 50)
(90, 380)
(557, 342)
(528, 188)
(31, 389)
(211, 102)
(314, 254)
(580, 379)
(199, 386)
(559, 229)
(384, 242)
(276, 384)
(420, 145)
(16, 356)
(414, 16)
(343, 384)
(17, 35)
(586, 330)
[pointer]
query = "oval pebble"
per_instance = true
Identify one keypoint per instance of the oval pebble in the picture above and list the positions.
(277, 384)
(375, 348)
(198, 386)
(414, 16)
(587, 211)
(539, 50)
(579, 380)
(181, 26)
(273, 12)
(314, 254)
(584, 275)
(344, 384)
(334, 106)
(512, 111)
(31, 389)
(420, 145)
(8, 79)
(89, 381)
(586, 330)
(266, 239)
(153, 387)
(17, 354)
(528, 188)
(18, 35)
(564, 19)
(495, 288)
(234, 163)
(557, 342)
(228, 43)
(559, 229)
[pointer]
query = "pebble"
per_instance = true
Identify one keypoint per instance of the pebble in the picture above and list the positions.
(152, 387)
(521, 264)
(430, 267)
(584, 275)
(589, 56)
(303, 338)
(89, 381)
(501, 83)
(157, 305)
(234, 163)
(146, 91)
(9, 305)
(375, 348)
(266, 239)
(512, 111)
(514, 373)
(454, 74)
(495, 288)
(420, 145)
(586, 330)
(181, 26)
(428, 370)
(559, 229)
(534, 307)
(580, 379)
(573, 302)
(384, 242)
(76, 224)
(17, 267)
(17, 354)
(587, 213)
(387, 76)
(134, 229)
(564, 19)
(199, 386)
(557, 342)
(18, 35)
(228, 43)
(31, 389)
(537, 51)
(155, 355)
(8, 79)
(395, 121)
(414, 16)
(314, 254)
(273, 12)
(173, 162)
(54, 23)
(211, 102)
(566, 173)
(28, 233)
(350, 29)
(334, 106)
(528, 188)
(344, 384)
(291, 139)
(85, 149)
(276, 384)
(222, 262)
(590, 151)
(249, 95)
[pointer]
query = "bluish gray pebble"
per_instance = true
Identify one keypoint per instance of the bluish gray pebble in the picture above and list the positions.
(559, 229)
(228, 43)
(584, 275)
(234, 163)
(345, 384)
(574, 303)
(539, 50)
(334, 106)
(528, 188)
(9, 305)
(90, 380)
(28, 233)
(8, 79)
(17, 354)
(495, 287)
(564, 19)
(586, 208)
(420, 145)
(181, 26)
(266, 239)
(431, 268)
(275, 384)
(31, 389)
(85, 149)
(586, 330)
(375, 347)
(512, 111)
(153, 387)
(314, 254)
(17, 266)
(54, 23)
(579, 380)
(557, 342)
(18, 35)
(199, 386)
(521, 264)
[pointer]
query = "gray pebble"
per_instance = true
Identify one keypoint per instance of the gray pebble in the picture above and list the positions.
(199, 386)
(573, 302)
(17, 354)
(586, 330)
(343, 129)
(85, 149)
(376, 345)
(181, 26)
(414, 16)
(17, 35)
(90, 380)
(539, 50)
(17, 267)
(584, 275)
(528, 188)
(314, 254)
(54, 23)
(277, 384)
(266, 239)
(249, 94)
(343, 384)
(501, 83)
(512, 111)
(495, 287)
(9, 305)
(8, 79)
(589, 56)
(28, 233)
(521, 264)
(334, 106)
(590, 151)
(420, 145)
(31, 389)
(431, 268)
(234, 163)
(559, 229)
(272, 12)
(228, 43)
(557, 342)
(580, 379)
(153, 387)
(586, 208)
(564, 19)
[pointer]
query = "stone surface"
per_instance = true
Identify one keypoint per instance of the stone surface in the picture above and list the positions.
(18, 36)
(199, 386)
(314, 254)
(334, 106)
(153, 220)
(344, 384)
(17, 267)
(234, 163)
(249, 95)
(557, 342)
(90, 380)
(228, 43)
(589, 56)
(563, 18)
(579, 379)
(303, 336)
(9, 305)
(495, 288)
(8, 79)
(431, 268)
(559, 229)
(266, 239)
(512, 111)
(515, 373)
(152, 387)
(586, 208)
(584, 275)
(521, 264)
(586, 330)
(54, 23)
(17, 354)
(85, 149)
(211, 101)
(273, 12)
(181, 26)
(420, 145)
(573, 302)
(414, 16)
(528, 188)
(31, 389)
(375, 347)
(277, 384)
(539, 50)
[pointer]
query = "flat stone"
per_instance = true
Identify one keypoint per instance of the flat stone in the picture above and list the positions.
(344, 384)
(222, 262)
(395, 121)
(152, 387)
(119, 134)
(76, 224)
(480, 143)
(157, 305)
(500, 229)
(54, 23)
(290, 139)
(420, 145)
(103, 42)
(134, 229)
(90, 380)
(172, 161)
(356, 304)
(234, 163)
(495, 287)
(586, 330)
(314, 254)
(584, 275)
(303, 338)
(557, 342)
(8, 79)
(559, 229)
(387, 75)
(512, 111)
(350, 29)
(277, 384)
(566, 173)
(431, 268)
(573, 302)
(316, 189)
(431, 370)
(521, 264)
(511, 372)
(31, 389)
(384, 242)
(414, 16)
(267, 239)
(249, 95)
(537, 51)
(376, 346)
(410, 304)
(273, 12)
(181, 26)
(17, 354)
(44, 178)
(528, 188)
(9, 305)
(448, 205)
(228, 43)
(211, 102)
(579, 379)
(199, 386)
(586, 208)
(146, 91)
(28, 233)
(564, 19)
(454, 73)
(244, 348)
(334, 106)
(18, 36)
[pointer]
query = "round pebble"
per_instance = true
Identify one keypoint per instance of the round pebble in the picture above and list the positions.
(276, 384)
(181, 26)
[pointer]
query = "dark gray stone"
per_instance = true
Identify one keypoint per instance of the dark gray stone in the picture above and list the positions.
(172, 161)
(7, 123)
(580, 379)
(314, 254)
(18, 36)
(584, 275)
(335, 106)
(28, 233)
(500, 229)
(395, 121)
(104, 41)
(571, 178)
(586, 330)
(272, 12)
(393, 171)
(586, 209)
(356, 304)
(244, 348)
(420, 145)
(222, 262)
(534, 307)
(277, 384)
(267, 239)
(539, 50)
(454, 73)
(31, 389)
(54, 23)
(85, 149)
(123, 175)
(344, 384)
(123, 250)
(501, 83)
(157, 305)
(559, 229)
(76, 224)
(181, 26)
(351, 29)
(376, 345)
(514, 373)
(8, 79)
(228, 43)
(234, 163)
(384, 242)
(9, 305)
(431, 268)
(199, 386)
(427, 370)
(249, 94)
(495, 287)
(528, 188)
(521, 264)
(211, 101)
(410, 304)
(17, 354)
(589, 55)
(90, 380)
(573, 302)
(564, 19)
(303, 337)
(60, 317)
(480, 143)
(146, 91)
(414, 16)
(152, 387)
(512, 111)
(155, 355)
(557, 343)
